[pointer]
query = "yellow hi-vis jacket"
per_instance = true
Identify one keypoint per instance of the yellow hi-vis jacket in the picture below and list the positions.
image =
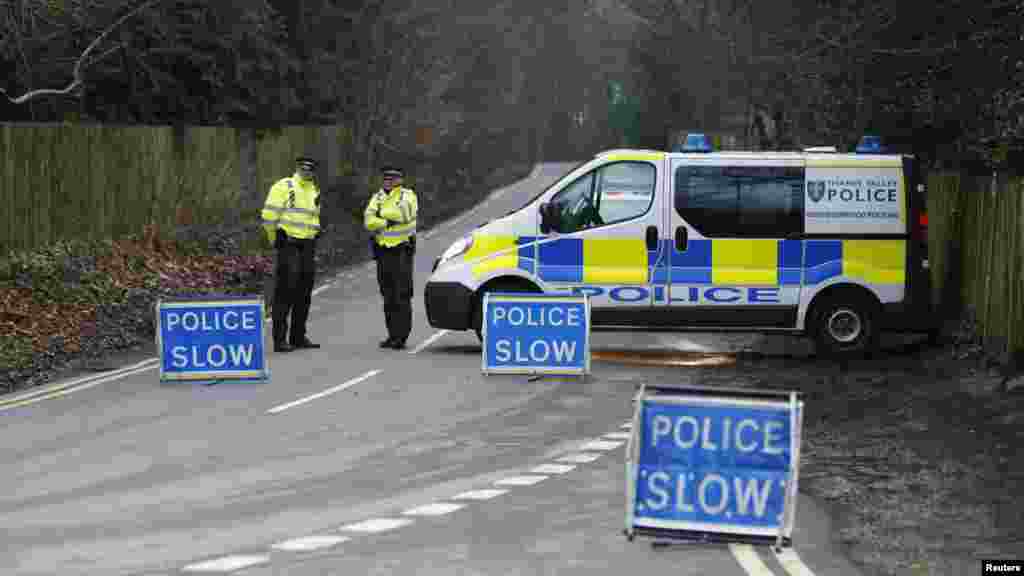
(293, 205)
(391, 216)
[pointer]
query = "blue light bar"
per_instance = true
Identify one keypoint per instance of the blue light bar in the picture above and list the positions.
(870, 145)
(697, 143)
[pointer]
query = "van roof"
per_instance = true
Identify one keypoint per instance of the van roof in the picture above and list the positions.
(812, 154)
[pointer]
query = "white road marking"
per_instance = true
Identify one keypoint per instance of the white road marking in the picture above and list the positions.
(322, 288)
(485, 494)
(520, 480)
(429, 341)
(435, 509)
(553, 469)
(580, 458)
(618, 436)
(377, 525)
(76, 385)
(792, 563)
(327, 392)
(627, 426)
(749, 560)
(600, 445)
(227, 564)
(310, 543)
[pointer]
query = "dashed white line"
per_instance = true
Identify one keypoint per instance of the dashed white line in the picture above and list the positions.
(429, 341)
(435, 509)
(227, 564)
(792, 563)
(327, 392)
(617, 436)
(310, 543)
(520, 480)
(580, 458)
(485, 494)
(553, 469)
(627, 426)
(749, 560)
(600, 445)
(375, 525)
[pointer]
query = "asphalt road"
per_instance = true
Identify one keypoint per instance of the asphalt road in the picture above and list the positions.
(354, 460)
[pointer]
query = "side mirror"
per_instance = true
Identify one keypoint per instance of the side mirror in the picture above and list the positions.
(545, 218)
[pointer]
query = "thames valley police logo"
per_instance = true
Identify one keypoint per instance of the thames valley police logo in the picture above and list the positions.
(816, 190)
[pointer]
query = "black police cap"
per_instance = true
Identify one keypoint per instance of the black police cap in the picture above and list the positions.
(306, 162)
(391, 171)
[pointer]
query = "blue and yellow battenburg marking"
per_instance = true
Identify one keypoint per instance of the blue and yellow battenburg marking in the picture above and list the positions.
(732, 262)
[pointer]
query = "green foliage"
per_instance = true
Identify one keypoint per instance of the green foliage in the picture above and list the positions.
(15, 352)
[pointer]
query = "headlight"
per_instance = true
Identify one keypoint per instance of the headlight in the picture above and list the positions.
(459, 247)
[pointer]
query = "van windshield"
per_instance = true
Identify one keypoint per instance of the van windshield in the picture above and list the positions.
(546, 188)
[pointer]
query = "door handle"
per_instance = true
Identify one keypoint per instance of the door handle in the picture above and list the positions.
(652, 238)
(682, 239)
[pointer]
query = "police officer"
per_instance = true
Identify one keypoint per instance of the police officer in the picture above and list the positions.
(291, 220)
(391, 217)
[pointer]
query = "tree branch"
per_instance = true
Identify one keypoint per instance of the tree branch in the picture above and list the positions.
(77, 79)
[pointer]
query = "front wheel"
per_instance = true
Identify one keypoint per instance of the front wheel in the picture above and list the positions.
(845, 327)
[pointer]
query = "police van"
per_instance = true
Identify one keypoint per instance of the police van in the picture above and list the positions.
(815, 242)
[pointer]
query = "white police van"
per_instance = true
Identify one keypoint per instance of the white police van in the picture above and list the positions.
(817, 242)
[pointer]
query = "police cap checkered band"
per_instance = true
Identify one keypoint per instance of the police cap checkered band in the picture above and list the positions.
(391, 171)
(306, 162)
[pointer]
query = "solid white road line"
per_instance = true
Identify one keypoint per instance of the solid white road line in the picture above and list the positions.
(485, 494)
(520, 480)
(227, 564)
(617, 436)
(792, 563)
(580, 458)
(74, 386)
(375, 525)
(429, 341)
(749, 560)
(310, 543)
(627, 426)
(322, 288)
(553, 469)
(327, 392)
(435, 509)
(600, 445)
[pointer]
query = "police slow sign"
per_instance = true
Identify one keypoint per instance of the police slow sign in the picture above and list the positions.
(536, 333)
(709, 464)
(211, 339)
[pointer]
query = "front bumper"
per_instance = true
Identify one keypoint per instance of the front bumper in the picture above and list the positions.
(449, 305)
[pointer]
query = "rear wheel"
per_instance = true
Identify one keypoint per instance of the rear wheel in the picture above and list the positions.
(478, 304)
(845, 327)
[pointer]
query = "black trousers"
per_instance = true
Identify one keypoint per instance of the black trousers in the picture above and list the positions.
(394, 275)
(293, 288)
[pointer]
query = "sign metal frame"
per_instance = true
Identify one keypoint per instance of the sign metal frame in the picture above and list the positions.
(531, 296)
(261, 375)
(702, 395)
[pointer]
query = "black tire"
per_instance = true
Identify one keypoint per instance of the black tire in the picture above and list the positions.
(476, 322)
(845, 327)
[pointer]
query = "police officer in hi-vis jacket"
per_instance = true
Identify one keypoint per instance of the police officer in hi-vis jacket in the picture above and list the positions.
(391, 217)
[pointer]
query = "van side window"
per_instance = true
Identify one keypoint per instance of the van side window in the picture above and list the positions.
(612, 193)
(741, 201)
(625, 190)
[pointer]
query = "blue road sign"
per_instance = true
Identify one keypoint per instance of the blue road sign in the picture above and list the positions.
(710, 464)
(536, 333)
(211, 339)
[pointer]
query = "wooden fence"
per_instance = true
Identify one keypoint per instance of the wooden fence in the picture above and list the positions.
(976, 244)
(77, 181)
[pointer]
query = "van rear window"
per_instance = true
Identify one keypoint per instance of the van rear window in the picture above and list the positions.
(741, 201)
